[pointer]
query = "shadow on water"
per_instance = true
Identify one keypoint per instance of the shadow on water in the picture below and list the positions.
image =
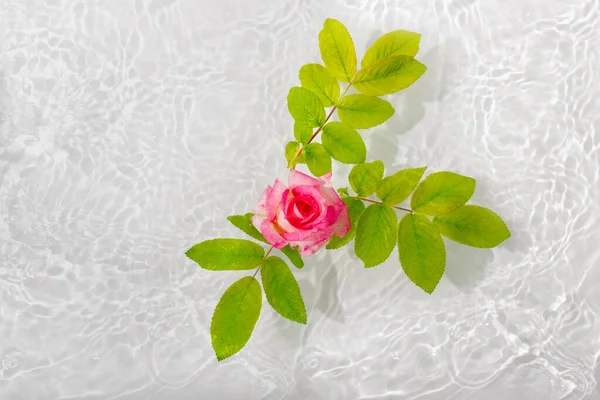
(329, 302)
(320, 294)
(410, 107)
(466, 266)
(324, 296)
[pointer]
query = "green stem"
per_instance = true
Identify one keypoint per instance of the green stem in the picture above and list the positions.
(292, 163)
(379, 202)
(264, 258)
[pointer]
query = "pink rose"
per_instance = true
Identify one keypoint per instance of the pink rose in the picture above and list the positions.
(304, 215)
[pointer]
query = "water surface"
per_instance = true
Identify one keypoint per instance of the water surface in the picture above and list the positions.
(130, 130)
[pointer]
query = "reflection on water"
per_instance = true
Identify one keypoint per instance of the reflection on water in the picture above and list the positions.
(130, 130)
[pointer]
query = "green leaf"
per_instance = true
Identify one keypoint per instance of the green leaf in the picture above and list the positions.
(303, 131)
(226, 254)
(337, 50)
(244, 223)
(305, 106)
(473, 226)
(422, 251)
(343, 192)
(282, 290)
(343, 143)
(235, 317)
(318, 159)
(375, 234)
(362, 112)
(319, 80)
(395, 43)
(294, 256)
(365, 177)
(291, 149)
(442, 192)
(355, 210)
(396, 188)
(388, 75)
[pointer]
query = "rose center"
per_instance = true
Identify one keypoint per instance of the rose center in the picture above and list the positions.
(302, 209)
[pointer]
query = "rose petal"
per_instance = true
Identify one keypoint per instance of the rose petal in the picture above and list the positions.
(315, 243)
(306, 201)
(297, 236)
(257, 220)
(285, 198)
(261, 207)
(326, 178)
(296, 216)
(260, 210)
(330, 195)
(283, 223)
(297, 178)
(328, 218)
(316, 196)
(272, 236)
(274, 199)
(306, 190)
(342, 225)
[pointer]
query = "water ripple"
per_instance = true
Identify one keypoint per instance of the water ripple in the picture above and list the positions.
(131, 129)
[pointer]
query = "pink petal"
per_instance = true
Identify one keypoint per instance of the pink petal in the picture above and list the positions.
(330, 195)
(285, 199)
(328, 218)
(298, 218)
(260, 210)
(316, 242)
(334, 200)
(272, 236)
(297, 236)
(305, 190)
(312, 192)
(326, 178)
(257, 220)
(299, 221)
(283, 223)
(342, 225)
(261, 207)
(274, 199)
(322, 213)
(312, 249)
(297, 178)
